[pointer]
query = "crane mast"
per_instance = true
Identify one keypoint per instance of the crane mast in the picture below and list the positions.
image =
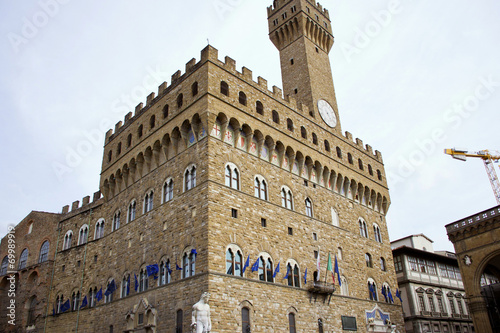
(488, 157)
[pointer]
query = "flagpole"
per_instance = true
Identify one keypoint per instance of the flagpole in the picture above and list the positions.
(327, 268)
(83, 272)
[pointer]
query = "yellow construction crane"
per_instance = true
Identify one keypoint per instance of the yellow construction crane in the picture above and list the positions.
(488, 157)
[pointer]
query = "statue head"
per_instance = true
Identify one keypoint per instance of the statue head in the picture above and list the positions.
(205, 296)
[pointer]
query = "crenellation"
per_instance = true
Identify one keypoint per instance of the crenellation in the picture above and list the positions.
(209, 53)
(359, 143)
(128, 117)
(86, 200)
(369, 149)
(138, 108)
(109, 133)
(65, 209)
(247, 74)
(348, 136)
(75, 205)
(230, 63)
(97, 196)
(277, 92)
(262, 82)
(162, 88)
(118, 125)
(190, 65)
(379, 156)
(176, 76)
(150, 99)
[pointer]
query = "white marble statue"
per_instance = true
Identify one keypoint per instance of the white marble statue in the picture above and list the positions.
(200, 320)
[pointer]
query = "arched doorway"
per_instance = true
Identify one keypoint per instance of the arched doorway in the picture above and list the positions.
(490, 290)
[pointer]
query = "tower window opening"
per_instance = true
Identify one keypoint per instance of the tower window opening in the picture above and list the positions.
(165, 111)
(242, 98)
(327, 146)
(289, 124)
(152, 122)
(139, 131)
(349, 158)
(308, 10)
(110, 155)
(370, 170)
(194, 89)
(294, 9)
(291, 61)
(303, 132)
(119, 149)
(290, 231)
(263, 222)
(296, 91)
(379, 175)
(315, 138)
(224, 88)
(284, 16)
(129, 140)
(276, 117)
(275, 22)
(317, 17)
(259, 107)
(317, 50)
(180, 101)
(339, 152)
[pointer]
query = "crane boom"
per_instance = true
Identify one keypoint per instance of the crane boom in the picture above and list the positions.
(488, 157)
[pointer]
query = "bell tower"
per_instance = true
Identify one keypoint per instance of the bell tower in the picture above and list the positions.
(301, 30)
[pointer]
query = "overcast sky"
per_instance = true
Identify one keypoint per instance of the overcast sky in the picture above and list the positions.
(411, 79)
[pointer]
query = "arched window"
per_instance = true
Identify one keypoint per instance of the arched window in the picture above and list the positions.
(363, 231)
(344, 289)
(165, 272)
(292, 271)
(289, 124)
(224, 88)
(180, 101)
(327, 146)
(320, 325)
(59, 303)
(286, 198)
(30, 228)
(31, 311)
(276, 117)
(265, 268)
(139, 131)
(245, 320)
(23, 259)
(75, 301)
(339, 152)
(382, 264)
(190, 178)
(340, 253)
(234, 262)
(125, 286)
(242, 98)
(309, 210)
(44, 252)
(315, 138)
(260, 188)
(349, 158)
(131, 211)
(259, 107)
(168, 190)
(360, 164)
(368, 259)
(99, 229)
(179, 321)
(379, 175)
(189, 264)
(376, 232)
(67, 240)
(110, 155)
(129, 140)
(291, 322)
(116, 221)
(165, 111)
(370, 170)
(108, 295)
(303, 132)
(152, 121)
(232, 177)
(194, 89)
(92, 295)
(148, 201)
(83, 235)
(143, 280)
(372, 290)
(5, 264)
(119, 148)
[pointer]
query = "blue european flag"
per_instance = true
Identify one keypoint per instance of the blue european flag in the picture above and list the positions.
(287, 272)
(66, 306)
(98, 296)
(247, 263)
(136, 286)
(128, 285)
(152, 269)
(305, 277)
(84, 303)
(110, 289)
(276, 271)
(255, 267)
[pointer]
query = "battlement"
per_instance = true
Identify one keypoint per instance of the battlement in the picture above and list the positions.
(279, 4)
(75, 206)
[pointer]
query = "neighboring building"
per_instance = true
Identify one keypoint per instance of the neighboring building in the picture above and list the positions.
(431, 287)
(217, 171)
(477, 243)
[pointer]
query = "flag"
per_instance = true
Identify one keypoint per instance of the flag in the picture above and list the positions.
(84, 303)
(318, 267)
(384, 292)
(128, 285)
(177, 267)
(152, 269)
(193, 251)
(53, 311)
(390, 296)
(287, 272)
(110, 289)
(255, 267)
(372, 290)
(169, 269)
(98, 296)
(305, 277)
(276, 271)
(398, 295)
(247, 263)
(337, 271)
(136, 286)
(329, 267)
(65, 307)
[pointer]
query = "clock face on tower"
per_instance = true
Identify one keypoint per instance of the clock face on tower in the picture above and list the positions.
(327, 113)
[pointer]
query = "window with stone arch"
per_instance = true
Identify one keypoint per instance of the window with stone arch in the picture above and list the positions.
(339, 152)
(180, 101)
(315, 139)
(189, 263)
(44, 252)
(340, 253)
(132, 209)
(125, 289)
(116, 221)
(245, 320)
(224, 88)
(194, 89)
(190, 178)
(168, 190)
(372, 290)
(31, 311)
(344, 288)
(99, 229)
(383, 265)
(148, 201)
(335, 217)
(369, 260)
(260, 187)
(259, 107)
(276, 117)
(327, 146)
(83, 235)
(232, 176)
(360, 164)
(379, 175)
(165, 111)
(75, 301)
(309, 210)
(363, 230)
(23, 259)
(67, 240)
(129, 140)
(165, 272)
(143, 280)
(30, 227)
(387, 293)
(152, 122)
(293, 273)
(303, 132)
(289, 124)
(5, 265)
(266, 268)
(242, 98)
(370, 170)
(109, 297)
(349, 158)
(139, 131)
(234, 260)
(291, 322)
(286, 198)
(376, 232)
